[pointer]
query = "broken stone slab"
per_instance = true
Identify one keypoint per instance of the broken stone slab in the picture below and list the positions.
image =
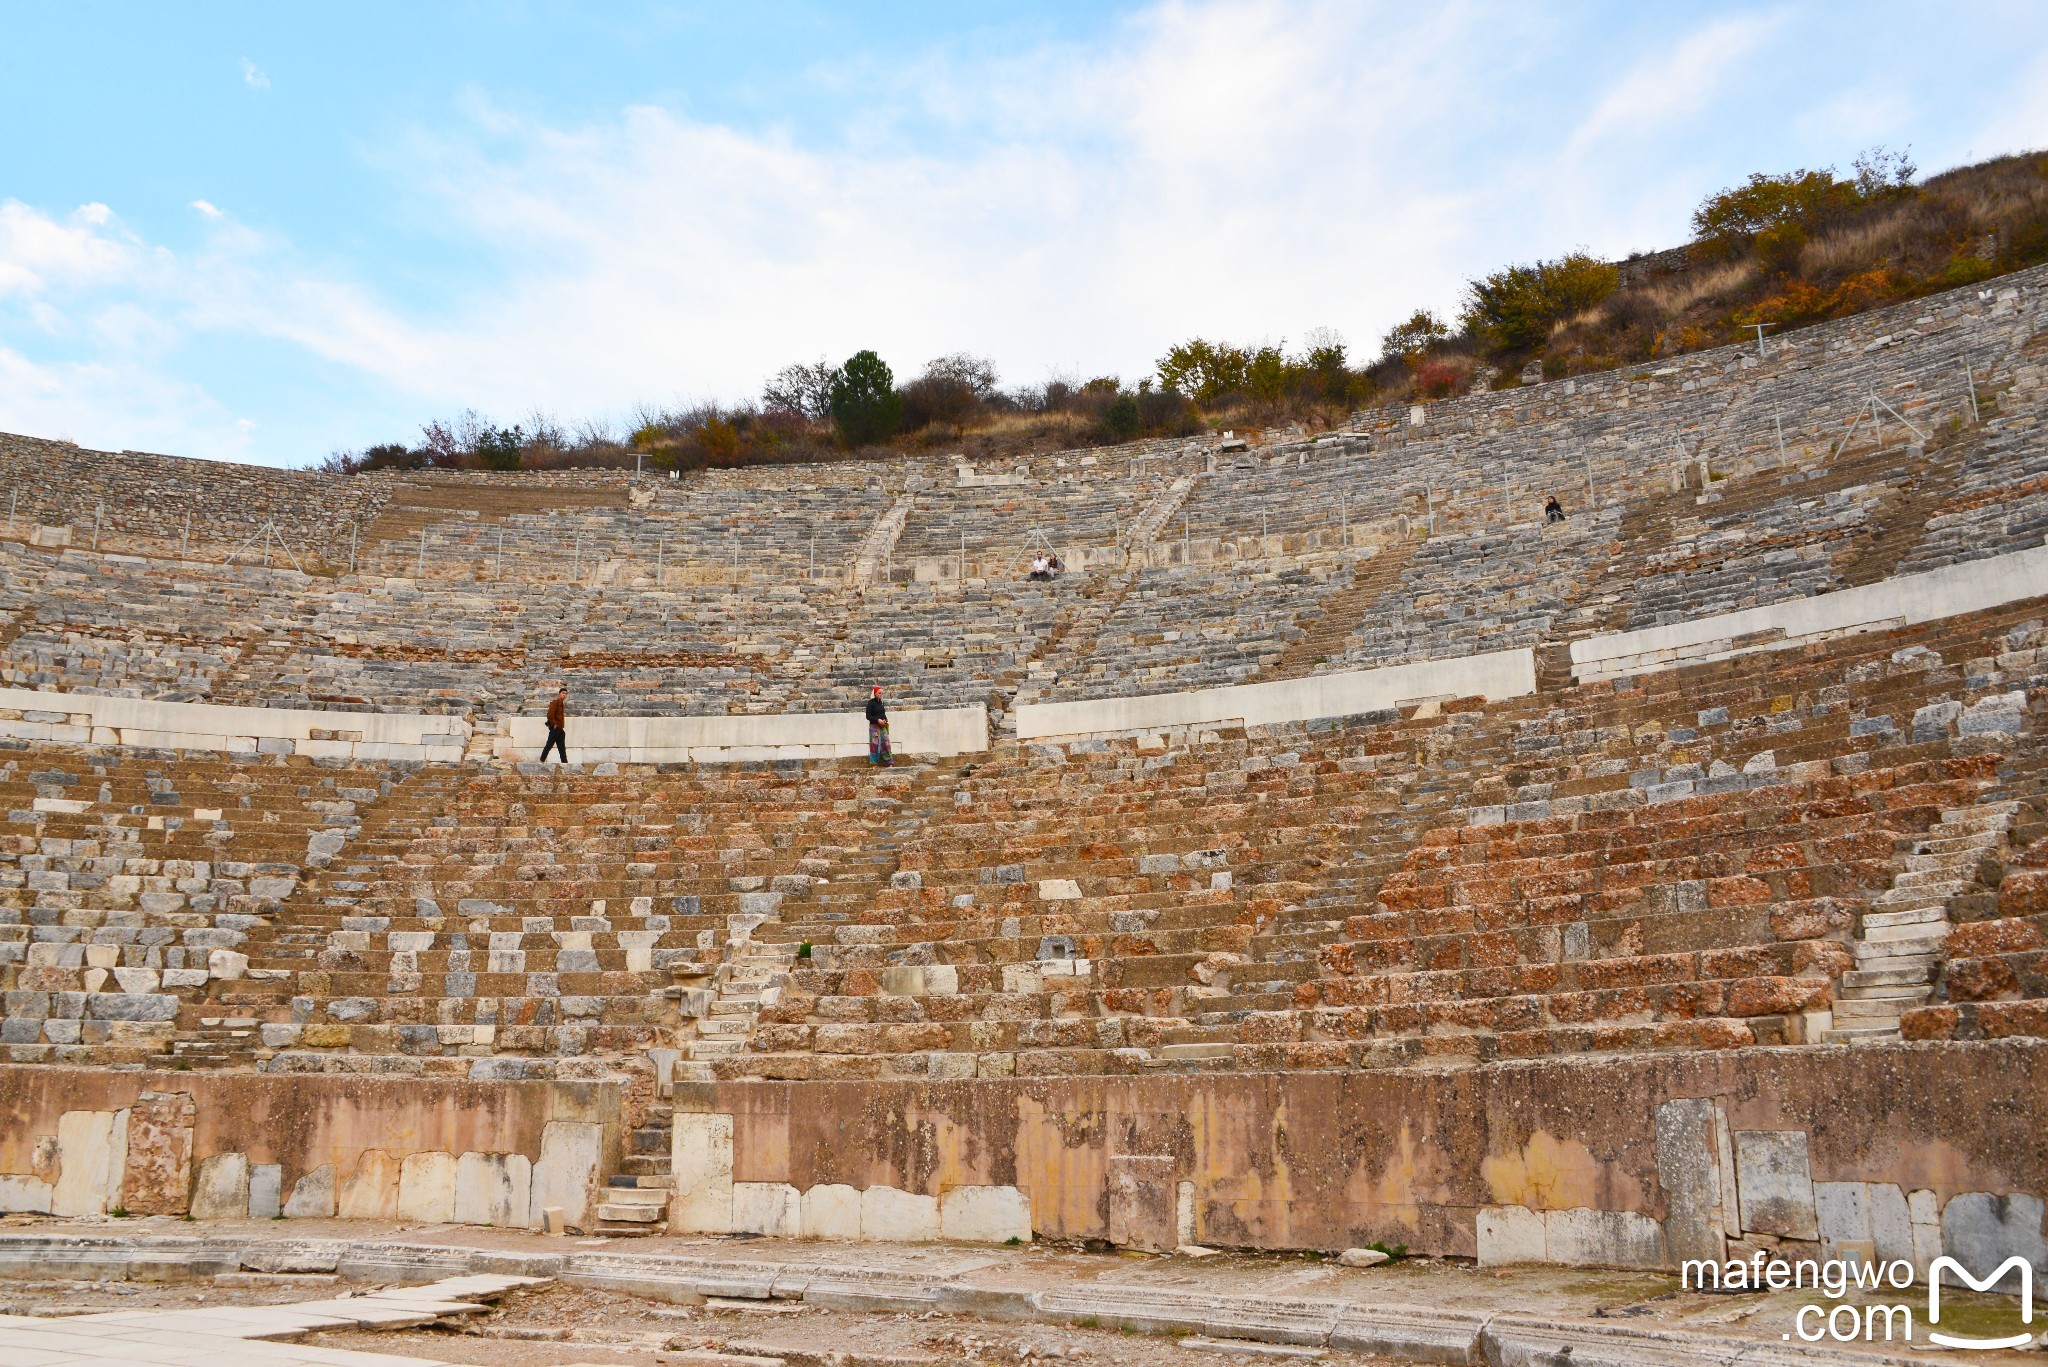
(1361, 1257)
(1408, 1333)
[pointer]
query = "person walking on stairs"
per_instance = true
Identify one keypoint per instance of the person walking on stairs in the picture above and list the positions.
(558, 726)
(878, 730)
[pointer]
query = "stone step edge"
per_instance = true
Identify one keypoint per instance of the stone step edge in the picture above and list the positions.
(1417, 1332)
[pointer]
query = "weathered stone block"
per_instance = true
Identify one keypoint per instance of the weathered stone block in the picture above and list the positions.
(158, 1179)
(571, 1152)
(830, 1211)
(370, 1192)
(985, 1215)
(1775, 1183)
(897, 1217)
(266, 1184)
(700, 1169)
(1142, 1209)
(92, 1153)
(312, 1196)
(494, 1189)
(220, 1187)
(774, 1209)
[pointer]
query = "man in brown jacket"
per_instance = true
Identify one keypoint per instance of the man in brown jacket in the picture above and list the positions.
(558, 726)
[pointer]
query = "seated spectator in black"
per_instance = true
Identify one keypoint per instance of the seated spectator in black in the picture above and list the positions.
(1553, 511)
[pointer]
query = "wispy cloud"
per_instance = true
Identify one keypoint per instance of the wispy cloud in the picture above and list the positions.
(253, 77)
(205, 208)
(1674, 84)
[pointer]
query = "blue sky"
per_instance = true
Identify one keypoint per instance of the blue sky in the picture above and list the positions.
(265, 232)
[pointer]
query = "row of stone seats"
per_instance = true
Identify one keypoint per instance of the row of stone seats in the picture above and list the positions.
(1187, 627)
(539, 914)
(132, 665)
(1724, 561)
(246, 635)
(156, 505)
(1998, 500)
(1073, 498)
(121, 625)
(1120, 899)
(1464, 593)
(131, 883)
(1106, 889)
(1912, 356)
(775, 525)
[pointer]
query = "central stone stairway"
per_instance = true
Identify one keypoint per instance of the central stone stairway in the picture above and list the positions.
(750, 978)
(635, 1200)
(1903, 939)
(1326, 637)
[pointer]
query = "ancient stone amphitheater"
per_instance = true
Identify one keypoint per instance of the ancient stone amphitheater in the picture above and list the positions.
(1337, 853)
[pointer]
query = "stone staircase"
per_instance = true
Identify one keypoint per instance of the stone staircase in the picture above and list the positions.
(635, 1200)
(1326, 637)
(872, 556)
(1903, 940)
(751, 977)
(1152, 520)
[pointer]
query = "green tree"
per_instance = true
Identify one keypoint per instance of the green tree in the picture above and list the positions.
(1268, 376)
(1810, 201)
(1517, 307)
(1322, 360)
(500, 448)
(1120, 420)
(1205, 371)
(864, 400)
(1406, 341)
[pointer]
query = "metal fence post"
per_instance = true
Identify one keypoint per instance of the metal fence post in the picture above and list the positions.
(1778, 426)
(420, 569)
(1970, 379)
(99, 515)
(351, 541)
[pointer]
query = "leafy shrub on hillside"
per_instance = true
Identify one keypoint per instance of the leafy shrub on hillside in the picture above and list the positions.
(1516, 308)
(1205, 371)
(1439, 379)
(1801, 202)
(952, 391)
(865, 404)
(1120, 420)
(1404, 341)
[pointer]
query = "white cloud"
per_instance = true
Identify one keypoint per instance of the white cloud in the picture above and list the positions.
(1674, 84)
(205, 208)
(252, 77)
(115, 405)
(38, 252)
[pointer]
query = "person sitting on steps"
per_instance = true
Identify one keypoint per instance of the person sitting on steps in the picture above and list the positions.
(1041, 568)
(1553, 511)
